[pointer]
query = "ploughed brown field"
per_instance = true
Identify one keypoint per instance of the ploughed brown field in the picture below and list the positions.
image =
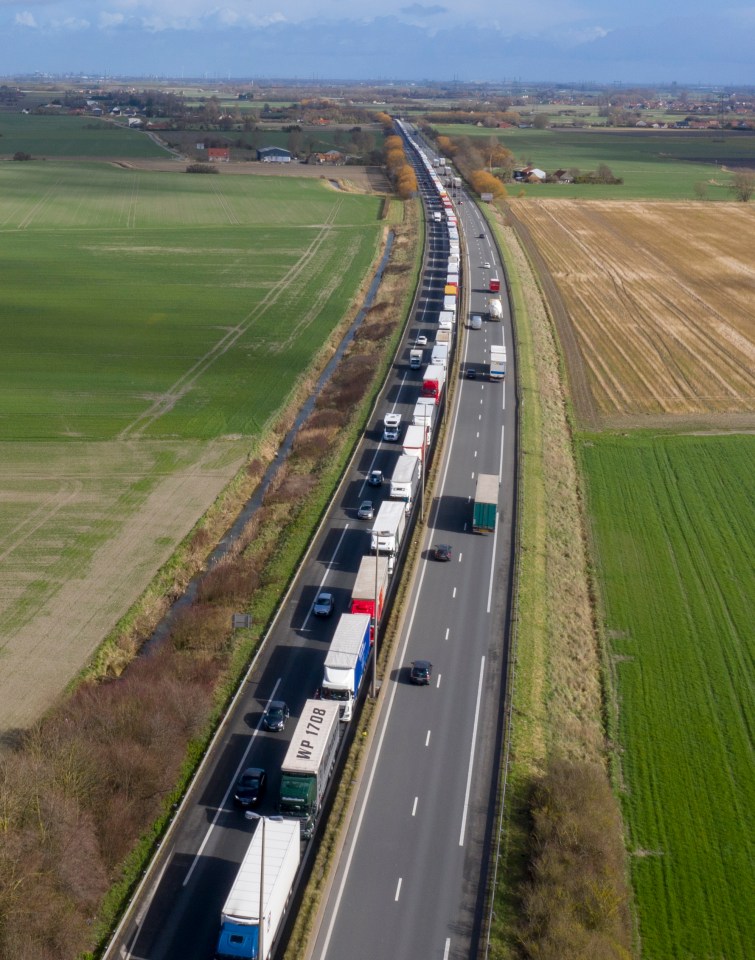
(655, 306)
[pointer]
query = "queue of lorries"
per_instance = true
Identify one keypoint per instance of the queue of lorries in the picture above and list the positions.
(264, 882)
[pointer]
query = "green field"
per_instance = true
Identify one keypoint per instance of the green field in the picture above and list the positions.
(674, 528)
(664, 164)
(153, 325)
(68, 136)
(123, 286)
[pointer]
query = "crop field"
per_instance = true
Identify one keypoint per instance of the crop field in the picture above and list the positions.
(674, 531)
(654, 306)
(153, 325)
(65, 137)
(655, 164)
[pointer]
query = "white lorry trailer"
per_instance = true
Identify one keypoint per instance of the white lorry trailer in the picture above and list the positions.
(389, 526)
(268, 886)
(405, 479)
(346, 662)
(497, 362)
(439, 356)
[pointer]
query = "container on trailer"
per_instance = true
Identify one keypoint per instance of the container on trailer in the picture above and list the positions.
(485, 503)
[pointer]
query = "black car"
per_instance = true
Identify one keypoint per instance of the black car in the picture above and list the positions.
(375, 478)
(421, 672)
(250, 787)
(442, 552)
(274, 718)
(324, 605)
(471, 373)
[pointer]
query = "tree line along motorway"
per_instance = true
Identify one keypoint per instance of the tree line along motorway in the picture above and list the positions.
(410, 881)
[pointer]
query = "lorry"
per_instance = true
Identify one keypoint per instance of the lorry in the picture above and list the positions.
(308, 764)
(497, 362)
(449, 303)
(346, 662)
(446, 319)
(439, 356)
(390, 523)
(444, 336)
(485, 503)
(265, 878)
(495, 285)
(495, 308)
(450, 290)
(363, 594)
(391, 427)
(415, 359)
(416, 439)
(432, 381)
(405, 479)
(424, 414)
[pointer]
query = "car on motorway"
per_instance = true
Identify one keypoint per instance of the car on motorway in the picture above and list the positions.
(471, 373)
(250, 787)
(324, 605)
(421, 672)
(421, 340)
(366, 510)
(486, 265)
(475, 321)
(275, 716)
(442, 552)
(375, 478)
(480, 236)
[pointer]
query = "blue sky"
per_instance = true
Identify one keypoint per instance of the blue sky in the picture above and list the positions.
(644, 41)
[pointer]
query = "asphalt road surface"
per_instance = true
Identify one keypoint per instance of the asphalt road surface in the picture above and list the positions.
(408, 884)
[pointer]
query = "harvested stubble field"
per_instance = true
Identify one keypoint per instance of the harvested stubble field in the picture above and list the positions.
(675, 548)
(153, 325)
(653, 304)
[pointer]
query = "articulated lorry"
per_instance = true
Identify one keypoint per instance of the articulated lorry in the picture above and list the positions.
(497, 362)
(416, 440)
(309, 763)
(495, 308)
(261, 882)
(433, 380)
(405, 479)
(389, 526)
(439, 355)
(424, 414)
(371, 569)
(346, 662)
(485, 503)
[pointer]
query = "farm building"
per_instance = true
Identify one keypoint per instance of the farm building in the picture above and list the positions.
(274, 155)
(219, 154)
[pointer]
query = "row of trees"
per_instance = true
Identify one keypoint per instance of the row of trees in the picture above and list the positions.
(400, 171)
(476, 161)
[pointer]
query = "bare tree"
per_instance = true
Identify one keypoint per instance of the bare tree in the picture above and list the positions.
(743, 185)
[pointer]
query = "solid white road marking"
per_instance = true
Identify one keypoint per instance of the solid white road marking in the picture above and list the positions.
(492, 565)
(447, 948)
(237, 774)
(471, 753)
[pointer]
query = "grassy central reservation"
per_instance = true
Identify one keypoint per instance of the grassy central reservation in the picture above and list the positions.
(153, 325)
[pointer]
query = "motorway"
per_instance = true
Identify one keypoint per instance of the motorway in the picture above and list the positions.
(408, 884)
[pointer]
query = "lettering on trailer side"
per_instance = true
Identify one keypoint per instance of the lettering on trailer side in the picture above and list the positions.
(313, 728)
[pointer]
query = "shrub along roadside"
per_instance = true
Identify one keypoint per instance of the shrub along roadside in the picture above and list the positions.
(557, 738)
(89, 791)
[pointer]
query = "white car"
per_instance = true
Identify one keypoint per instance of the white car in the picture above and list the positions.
(421, 340)
(486, 265)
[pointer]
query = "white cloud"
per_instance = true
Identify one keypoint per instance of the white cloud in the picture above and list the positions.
(25, 19)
